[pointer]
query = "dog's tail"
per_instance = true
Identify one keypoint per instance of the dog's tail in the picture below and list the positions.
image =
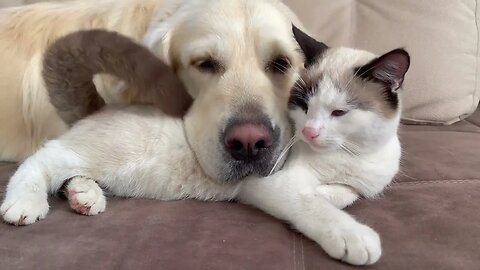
(71, 62)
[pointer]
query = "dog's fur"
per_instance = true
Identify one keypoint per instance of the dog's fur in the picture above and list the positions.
(184, 34)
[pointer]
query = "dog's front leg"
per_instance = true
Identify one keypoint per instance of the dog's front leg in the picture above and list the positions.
(290, 196)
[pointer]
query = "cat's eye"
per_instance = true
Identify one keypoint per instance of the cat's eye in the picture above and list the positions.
(279, 65)
(208, 65)
(338, 113)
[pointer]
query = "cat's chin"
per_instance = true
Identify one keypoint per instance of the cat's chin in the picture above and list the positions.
(320, 147)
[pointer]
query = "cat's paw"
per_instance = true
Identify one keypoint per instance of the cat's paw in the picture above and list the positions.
(339, 195)
(85, 196)
(25, 209)
(352, 242)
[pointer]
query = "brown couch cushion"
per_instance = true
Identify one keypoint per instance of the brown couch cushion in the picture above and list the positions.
(442, 37)
(429, 219)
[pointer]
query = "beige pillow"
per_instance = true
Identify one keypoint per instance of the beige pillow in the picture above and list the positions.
(442, 36)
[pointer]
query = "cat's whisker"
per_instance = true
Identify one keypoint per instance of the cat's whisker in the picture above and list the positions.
(350, 81)
(283, 69)
(302, 81)
(297, 85)
(348, 150)
(359, 75)
(353, 146)
(315, 170)
(345, 149)
(283, 153)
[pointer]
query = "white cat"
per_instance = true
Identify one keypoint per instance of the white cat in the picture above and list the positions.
(350, 121)
(137, 151)
(346, 109)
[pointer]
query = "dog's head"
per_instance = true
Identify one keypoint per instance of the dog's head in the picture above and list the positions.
(238, 60)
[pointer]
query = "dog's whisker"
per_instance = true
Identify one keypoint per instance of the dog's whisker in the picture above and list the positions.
(283, 153)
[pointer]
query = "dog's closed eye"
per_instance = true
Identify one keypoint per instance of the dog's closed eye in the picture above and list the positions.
(208, 65)
(279, 65)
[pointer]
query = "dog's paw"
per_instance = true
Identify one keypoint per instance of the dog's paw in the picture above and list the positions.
(25, 209)
(339, 195)
(85, 196)
(352, 242)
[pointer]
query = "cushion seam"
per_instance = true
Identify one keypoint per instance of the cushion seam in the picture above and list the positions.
(477, 69)
(473, 123)
(438, 181)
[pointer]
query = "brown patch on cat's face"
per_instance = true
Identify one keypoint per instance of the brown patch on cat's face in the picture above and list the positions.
(371, 96)
(304, 88)
(381, 80)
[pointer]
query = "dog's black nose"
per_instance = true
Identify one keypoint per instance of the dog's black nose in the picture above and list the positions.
(247, 141)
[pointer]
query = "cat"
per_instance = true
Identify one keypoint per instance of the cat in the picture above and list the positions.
(346, 107)
(348, 113)
(138, 151)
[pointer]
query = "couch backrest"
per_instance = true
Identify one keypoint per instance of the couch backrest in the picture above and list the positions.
(442, 37)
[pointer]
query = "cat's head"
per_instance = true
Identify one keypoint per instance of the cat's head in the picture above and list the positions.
(347, 98)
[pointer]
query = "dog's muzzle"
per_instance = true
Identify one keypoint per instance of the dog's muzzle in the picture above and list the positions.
(251, 146)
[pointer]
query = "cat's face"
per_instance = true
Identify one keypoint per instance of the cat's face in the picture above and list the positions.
(347, 98)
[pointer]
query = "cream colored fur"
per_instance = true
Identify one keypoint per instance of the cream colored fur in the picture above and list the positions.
(26, 115)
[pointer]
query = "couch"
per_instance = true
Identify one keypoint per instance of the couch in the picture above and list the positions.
(428, 219)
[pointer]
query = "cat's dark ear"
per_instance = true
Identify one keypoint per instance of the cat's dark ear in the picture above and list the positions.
(312, 48)
(389, 69)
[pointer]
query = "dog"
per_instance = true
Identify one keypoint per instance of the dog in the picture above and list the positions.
(236, 63)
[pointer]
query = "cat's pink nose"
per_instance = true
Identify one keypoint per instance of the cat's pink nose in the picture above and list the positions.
(310, 133)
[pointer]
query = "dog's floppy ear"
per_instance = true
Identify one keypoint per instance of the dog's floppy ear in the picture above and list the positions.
(161, 30)
(158, 39)
(312, 48)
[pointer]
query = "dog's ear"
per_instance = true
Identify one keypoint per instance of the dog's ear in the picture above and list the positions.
(312, 48)
(158, 39)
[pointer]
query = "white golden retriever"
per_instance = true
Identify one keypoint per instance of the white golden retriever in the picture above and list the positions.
(225, 52)
(237, 59)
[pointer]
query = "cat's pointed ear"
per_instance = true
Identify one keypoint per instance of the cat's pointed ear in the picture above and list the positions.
(312, 48)
(389, 68)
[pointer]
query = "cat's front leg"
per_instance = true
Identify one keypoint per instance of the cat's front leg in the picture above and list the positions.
(85, 196)
(26, 199)
(339, 195)
(26, 195)
(295, 200)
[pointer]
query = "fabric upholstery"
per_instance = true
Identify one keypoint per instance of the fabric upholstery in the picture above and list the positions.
(428, 219)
